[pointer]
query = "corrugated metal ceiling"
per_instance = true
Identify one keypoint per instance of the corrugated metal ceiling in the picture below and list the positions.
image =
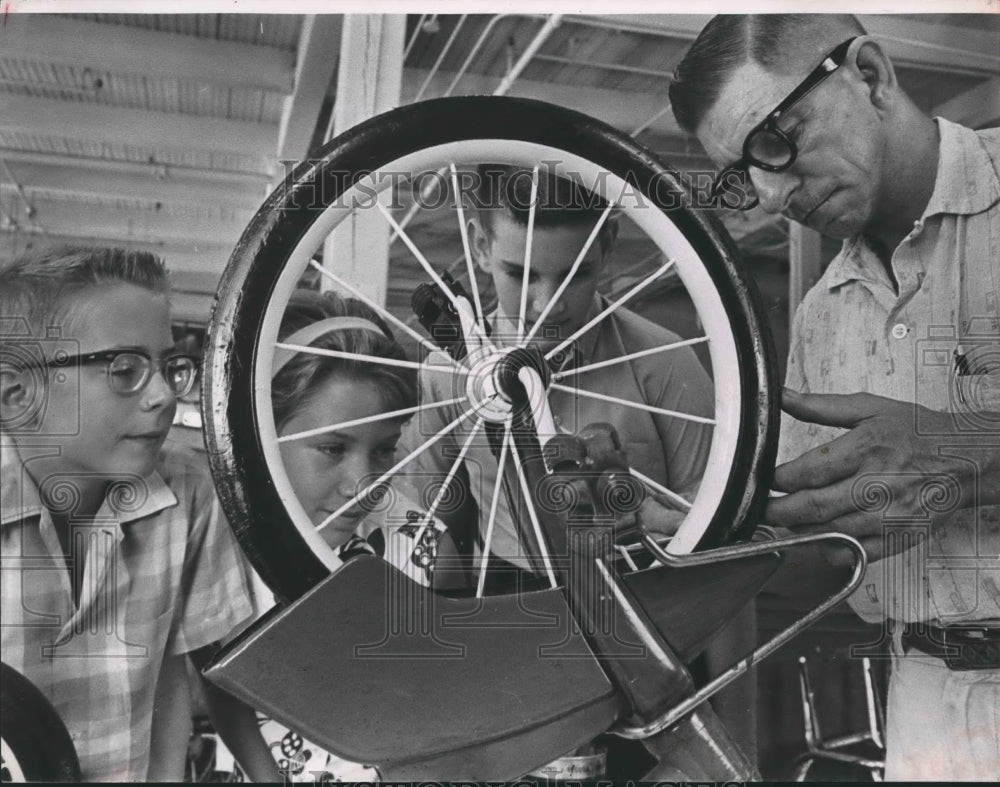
(277, 30)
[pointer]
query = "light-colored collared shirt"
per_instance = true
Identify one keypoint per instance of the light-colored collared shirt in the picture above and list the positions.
(162, 575)
(935, 342)
(671, 451)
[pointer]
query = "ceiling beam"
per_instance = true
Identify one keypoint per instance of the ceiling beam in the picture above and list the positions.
(93, 122)
(607, 105)
(145, 184)
(908, 40)
(193, 268)
(682, 26)
(315, 64)
(107, 166)
(976, 108)
(936, 47)
(121, 49)
(89, 220)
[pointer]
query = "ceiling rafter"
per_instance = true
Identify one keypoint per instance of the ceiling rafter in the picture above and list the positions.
(128, 50)
(315, 66)
(143, 128)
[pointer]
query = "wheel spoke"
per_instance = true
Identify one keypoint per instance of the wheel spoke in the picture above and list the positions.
(569, 276)
(448, 479)
(657, 487)
(654, 485)
(488, 542)
(425, 194)
(428, 268)
(395, 468)
(302, 348)
(611, 308)
(630, 357)
(533, 515)
(698, 419)
(424, 341)
(529, 237)
(621, 550)
(473, 284)
(413, 319)
(370, 419)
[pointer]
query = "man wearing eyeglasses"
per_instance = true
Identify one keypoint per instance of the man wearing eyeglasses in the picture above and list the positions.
(893, 392)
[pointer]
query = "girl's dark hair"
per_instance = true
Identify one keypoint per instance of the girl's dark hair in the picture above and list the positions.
(304, 373)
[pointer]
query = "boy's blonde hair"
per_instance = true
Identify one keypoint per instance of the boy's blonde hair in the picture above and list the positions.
(36, 288)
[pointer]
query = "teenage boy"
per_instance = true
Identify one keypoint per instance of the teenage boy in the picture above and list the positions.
(670, 450)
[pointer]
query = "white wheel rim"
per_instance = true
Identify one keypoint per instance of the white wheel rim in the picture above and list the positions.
(657, 226)
(10, 763)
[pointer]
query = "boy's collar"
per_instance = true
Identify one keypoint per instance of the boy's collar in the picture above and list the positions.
(581, 348)
(20, 498)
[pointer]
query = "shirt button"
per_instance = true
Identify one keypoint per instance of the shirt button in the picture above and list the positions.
(899, 331)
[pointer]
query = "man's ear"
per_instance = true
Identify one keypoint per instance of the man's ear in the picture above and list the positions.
(19, 392)
(479, 243)
(875, 68)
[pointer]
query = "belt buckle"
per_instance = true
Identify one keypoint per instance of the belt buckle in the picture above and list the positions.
(971, 648)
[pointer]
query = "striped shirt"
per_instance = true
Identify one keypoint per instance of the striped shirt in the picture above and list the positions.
(671, 451)
(162, 575)
(935, 342)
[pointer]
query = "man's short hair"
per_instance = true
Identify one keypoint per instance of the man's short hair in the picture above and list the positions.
(37, 287)
(782, 43)
(559, 202)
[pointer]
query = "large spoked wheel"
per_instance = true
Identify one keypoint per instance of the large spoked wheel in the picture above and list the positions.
(35, 744)
(450, 136)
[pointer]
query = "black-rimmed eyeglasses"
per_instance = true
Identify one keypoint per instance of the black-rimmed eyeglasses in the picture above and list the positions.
(129, 371)
(768, 146)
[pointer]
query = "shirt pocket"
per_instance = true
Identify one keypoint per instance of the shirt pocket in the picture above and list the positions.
(976, 392)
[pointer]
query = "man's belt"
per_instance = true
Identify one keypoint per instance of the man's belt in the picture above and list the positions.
(966, 647)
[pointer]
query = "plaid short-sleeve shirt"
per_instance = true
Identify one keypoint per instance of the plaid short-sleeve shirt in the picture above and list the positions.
(934, 341)
(162, 574)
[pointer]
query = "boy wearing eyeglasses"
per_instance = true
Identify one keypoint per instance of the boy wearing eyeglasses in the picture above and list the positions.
(116, 560)
(891, 440)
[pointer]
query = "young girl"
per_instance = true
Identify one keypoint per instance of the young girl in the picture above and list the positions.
(327, 470)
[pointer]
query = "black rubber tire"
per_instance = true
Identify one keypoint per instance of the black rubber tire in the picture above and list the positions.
(37, 737)
(248, 495)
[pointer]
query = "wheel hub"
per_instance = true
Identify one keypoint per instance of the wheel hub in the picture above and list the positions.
(492, 382)
(482, 388)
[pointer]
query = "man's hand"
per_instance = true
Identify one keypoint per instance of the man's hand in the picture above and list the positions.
(885, 466)
(658, 518)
